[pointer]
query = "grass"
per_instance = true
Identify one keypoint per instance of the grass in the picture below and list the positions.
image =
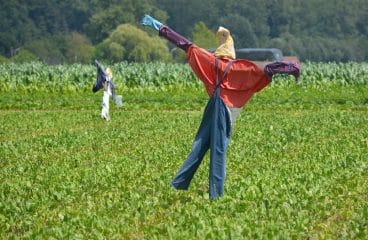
(296, 167)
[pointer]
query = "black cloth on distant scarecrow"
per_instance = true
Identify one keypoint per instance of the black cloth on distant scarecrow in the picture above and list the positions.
(102, 77)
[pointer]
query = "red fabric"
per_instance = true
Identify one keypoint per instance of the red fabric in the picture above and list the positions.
(241, 82)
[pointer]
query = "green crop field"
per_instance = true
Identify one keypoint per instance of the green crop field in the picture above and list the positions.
(297, 164)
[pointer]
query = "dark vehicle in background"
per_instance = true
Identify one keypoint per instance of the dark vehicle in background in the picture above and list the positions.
(260, 54)
(263, 55)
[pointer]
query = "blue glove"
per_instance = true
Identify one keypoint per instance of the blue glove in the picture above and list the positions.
(150, 21)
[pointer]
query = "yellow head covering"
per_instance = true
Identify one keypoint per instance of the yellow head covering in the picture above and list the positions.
(225, 43)
(109, 72)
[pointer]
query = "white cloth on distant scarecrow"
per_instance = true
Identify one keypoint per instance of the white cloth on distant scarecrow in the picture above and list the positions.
(104, 80)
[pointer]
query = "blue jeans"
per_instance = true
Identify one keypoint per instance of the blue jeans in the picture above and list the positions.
(213, 133)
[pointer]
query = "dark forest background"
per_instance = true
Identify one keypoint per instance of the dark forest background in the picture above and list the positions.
(72, 31)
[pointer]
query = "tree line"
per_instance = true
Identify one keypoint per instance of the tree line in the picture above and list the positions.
(72, 31)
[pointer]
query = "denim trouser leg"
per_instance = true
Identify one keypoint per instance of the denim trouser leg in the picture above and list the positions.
(200, 146)
(194, 159)
(214, 133)
(220, 138)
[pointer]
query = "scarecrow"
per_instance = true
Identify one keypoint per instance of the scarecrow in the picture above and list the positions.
(104, 80)
(230, 83)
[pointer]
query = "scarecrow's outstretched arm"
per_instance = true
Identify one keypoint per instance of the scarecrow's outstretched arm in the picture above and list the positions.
(166, 32)
(151, 22)
(100, 67)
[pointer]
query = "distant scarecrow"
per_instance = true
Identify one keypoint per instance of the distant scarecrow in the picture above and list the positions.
(104, 80)
(230, 83)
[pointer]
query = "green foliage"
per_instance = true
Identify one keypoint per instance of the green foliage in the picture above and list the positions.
(107, 16)
(77, 77)
(321, 49)
(3, 59)
(16, 28)
(296, 166)
(78, 49)
(62, 48)
(103, 22)
(23, 56)
(178, 55)
(58, 78)
(315, 30)
(112, 51)
(331, 73)
(131, 44)
(48, 49)
(203, 37)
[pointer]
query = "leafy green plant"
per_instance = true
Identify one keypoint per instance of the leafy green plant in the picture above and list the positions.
(77, 77)
(296, 166)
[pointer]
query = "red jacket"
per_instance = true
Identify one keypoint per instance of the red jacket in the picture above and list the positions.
(243, 79)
